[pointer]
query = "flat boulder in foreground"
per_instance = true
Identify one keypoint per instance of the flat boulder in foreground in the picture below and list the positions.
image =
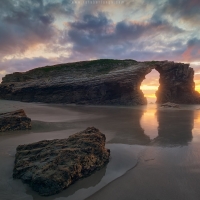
(50, 166)
(16, 120)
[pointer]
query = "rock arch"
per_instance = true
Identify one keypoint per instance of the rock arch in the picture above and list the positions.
(176, 83)
(102, 82)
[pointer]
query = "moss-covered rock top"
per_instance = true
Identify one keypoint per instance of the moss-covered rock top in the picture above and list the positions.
(102, 66)
(87, 68)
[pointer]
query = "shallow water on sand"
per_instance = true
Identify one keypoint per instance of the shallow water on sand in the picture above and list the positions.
(155, 153)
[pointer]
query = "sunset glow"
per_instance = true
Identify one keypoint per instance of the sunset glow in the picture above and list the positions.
(52, 32)
(149, 122)
(150, 85)
(197, 80)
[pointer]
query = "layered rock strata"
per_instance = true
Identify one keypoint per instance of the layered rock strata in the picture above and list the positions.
(50, 166)
(103, 82)
(16, 120)
(176, 83)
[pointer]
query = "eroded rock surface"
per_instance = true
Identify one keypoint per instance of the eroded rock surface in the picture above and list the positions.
(176, 83)
(103, 82)
(16, 120)
(50, 166)
(169, 105)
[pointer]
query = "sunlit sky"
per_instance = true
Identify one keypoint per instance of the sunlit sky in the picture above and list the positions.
(35, 33)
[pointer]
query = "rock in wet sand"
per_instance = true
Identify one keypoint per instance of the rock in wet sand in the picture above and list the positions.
(16, 120)
(50, 166)
(169, 105)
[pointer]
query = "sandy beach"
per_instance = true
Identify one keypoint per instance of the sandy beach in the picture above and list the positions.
(154, 152)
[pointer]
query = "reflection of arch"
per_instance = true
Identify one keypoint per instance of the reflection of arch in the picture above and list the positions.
(175, 126)
(129, 131)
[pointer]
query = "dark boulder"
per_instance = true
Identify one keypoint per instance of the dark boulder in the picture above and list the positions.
(16, 120)
(50, 166)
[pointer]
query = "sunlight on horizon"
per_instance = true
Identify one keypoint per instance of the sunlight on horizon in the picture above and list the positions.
(197, 81)
(150, 85)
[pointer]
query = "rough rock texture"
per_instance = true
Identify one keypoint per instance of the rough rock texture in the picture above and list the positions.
(51, 166)
(16, 120)
(109, 82)
(176, 83)
(103, 82)
(169, 105)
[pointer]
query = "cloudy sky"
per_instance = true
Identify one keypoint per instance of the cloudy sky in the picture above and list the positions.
(36, 33)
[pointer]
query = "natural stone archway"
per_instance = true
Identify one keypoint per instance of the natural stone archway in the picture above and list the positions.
(150, 85)
(102, 82)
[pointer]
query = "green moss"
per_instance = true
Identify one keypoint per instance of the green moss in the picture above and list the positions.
(151, 62)
(94, 66)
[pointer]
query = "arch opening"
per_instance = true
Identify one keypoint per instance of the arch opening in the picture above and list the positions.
(150, 85)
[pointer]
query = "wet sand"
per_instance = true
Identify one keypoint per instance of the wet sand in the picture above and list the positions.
(154, 152)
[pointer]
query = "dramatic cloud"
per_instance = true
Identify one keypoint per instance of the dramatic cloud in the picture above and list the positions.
(22, 25)
(97, 35)
(25, 23)
(35, 33)
(185, 10)
(193, 50)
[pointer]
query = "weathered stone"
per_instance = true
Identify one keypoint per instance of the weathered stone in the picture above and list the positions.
(50, 166)
(176, 83)
(108, 82)
(16, 120)
(103, 82)
(169, 105)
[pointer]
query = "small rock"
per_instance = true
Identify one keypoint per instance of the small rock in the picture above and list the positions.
(50, 166)
(169, 105)
(16, 120)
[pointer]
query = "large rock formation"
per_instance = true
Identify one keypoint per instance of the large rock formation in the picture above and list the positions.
(176, 83)
(109, 82)
(16, 120)
(50, 166)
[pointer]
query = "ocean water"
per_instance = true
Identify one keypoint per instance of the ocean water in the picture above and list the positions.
(155, 153)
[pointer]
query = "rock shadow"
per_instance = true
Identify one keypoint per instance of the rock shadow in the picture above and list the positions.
(90, 181)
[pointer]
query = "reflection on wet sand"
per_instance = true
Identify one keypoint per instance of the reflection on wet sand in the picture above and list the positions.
(135, 134)
(139, 165)
(174, 127)
(142, 125)
(121, 124)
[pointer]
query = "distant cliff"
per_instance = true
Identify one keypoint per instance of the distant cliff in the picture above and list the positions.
(100, 82)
